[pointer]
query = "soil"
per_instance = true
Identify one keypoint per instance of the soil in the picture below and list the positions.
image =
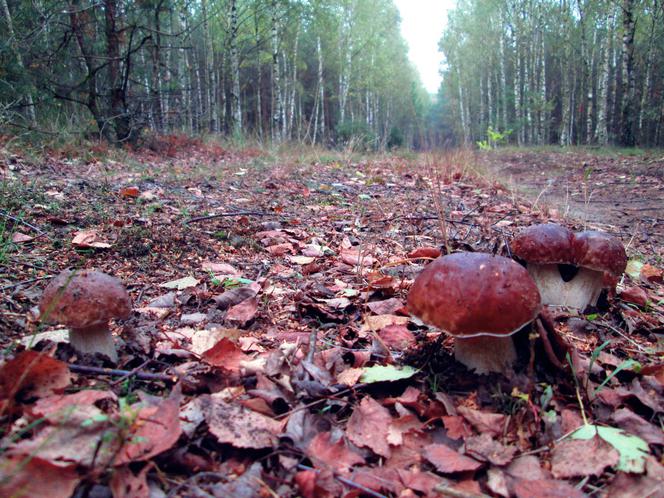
(622, 194)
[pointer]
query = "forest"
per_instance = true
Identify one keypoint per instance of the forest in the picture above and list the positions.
(325, 71)
(246, 252)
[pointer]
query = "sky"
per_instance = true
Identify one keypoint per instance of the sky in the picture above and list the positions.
(422, 24)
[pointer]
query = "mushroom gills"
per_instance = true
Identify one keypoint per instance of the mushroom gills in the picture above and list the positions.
(95, 339)
(485, 353)
(579, 292)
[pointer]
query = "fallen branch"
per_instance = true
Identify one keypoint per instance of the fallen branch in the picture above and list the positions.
(223, 215)
(122, 373)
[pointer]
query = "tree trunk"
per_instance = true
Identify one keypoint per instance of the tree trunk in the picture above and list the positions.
(627, 135)
(236, 110)
(277, 101)
(602, 130)
(119, 113)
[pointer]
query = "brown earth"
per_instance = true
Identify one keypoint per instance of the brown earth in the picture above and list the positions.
(622, 194)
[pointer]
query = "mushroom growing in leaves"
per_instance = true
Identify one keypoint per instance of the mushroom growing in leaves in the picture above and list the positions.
(570, 269)
(85, 301)
(481, 300)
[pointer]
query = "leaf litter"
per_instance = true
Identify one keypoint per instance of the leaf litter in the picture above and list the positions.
(295, 368)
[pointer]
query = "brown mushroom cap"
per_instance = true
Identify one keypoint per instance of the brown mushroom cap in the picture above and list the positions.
(472, 294)
(84, 298)
(545, 244)
(601, 252)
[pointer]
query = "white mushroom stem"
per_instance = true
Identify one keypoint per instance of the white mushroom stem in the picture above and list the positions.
(95, 339)
(485, 354)
(578, 293)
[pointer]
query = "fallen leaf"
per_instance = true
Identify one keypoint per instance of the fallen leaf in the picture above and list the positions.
(385, 307)
(31, 374)
(456, 427)
(225, 354)
(632, 423)
(125, 484)
(582, 457)
(652, 274)
(632, 449)
(234, 296)
(155, 429)
(635, 295)
(243, 313)
(487, 449)
(301, 260)
(448, 461)
(354, 257)
(335, 455)
(130, 192)
(222, 268)
(545, 488)
(388, 373)
(369, 425)
(21, 238)
(87, 239)
(28, 476)
(350, 376)
(280, 249)
(424, 253)
(484, 422)
(181, 283)
(397, 337)
(377, 322)
(238, 426)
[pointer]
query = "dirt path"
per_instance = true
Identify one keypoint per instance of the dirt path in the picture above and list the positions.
(617, 193)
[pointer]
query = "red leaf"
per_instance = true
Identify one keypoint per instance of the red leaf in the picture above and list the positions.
(32, 374)
(397, 337)
(447, 461)
(424, 252)
(225, 354)
(581, 458)
(243, 313)
(336, 456)
(124, 484)
(491, 423)
(28, 476)
(155, 430)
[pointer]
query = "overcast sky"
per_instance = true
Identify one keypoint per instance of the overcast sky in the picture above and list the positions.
(422, 24)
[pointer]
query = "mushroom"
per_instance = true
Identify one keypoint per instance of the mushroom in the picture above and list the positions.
(85, 301)
(481, 300)
(570, 269)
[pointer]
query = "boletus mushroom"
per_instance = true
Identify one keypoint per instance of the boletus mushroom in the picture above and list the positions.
(481, 300)
(85, 301)
(570, 269)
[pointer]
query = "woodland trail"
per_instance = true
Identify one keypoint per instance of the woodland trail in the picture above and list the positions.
(607, 191)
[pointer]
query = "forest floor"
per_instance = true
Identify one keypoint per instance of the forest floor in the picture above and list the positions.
(270, 352)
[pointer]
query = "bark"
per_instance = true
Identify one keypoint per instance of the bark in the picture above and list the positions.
(236, 110)
(627, 136)
(120, 118)
(208, 58)
(602, 131)
(277, 101)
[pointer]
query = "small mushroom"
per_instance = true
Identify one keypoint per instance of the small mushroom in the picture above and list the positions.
(85, 301)
(570, 269)
(481, 300)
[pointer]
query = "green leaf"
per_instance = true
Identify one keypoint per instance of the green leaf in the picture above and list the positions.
(632, 449)
(388, 373)
(634, 269)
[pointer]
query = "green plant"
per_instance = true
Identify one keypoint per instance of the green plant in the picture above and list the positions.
(494, 138)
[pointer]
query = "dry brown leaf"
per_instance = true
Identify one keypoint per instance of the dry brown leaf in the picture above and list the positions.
(582, 457)
(238, 426)
(484, 422)
(21, 238)
(487, 449)
(242, 313)
(369, 426)
(86, 239)
(32, 374)
(545, 488)
(397, 337)
(125, 484)
(225, 354)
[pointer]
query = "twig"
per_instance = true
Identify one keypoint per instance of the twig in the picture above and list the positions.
(222, 215)
(29, 281)
(23, 222)
(319, 401)
(312, 345)
(123, 373)
(347, 482)
(131, 372)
